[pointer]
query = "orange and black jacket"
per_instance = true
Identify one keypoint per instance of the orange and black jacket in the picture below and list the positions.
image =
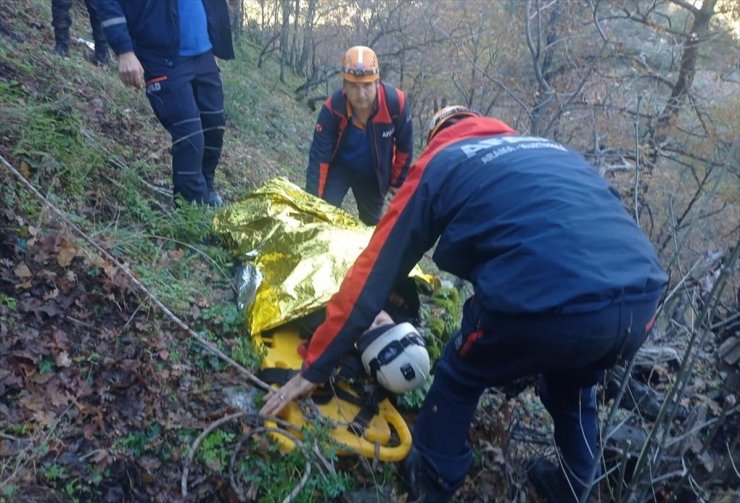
(530, 224)
(390, 135)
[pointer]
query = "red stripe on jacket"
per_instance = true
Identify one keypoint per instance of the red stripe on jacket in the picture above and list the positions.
(323, 174)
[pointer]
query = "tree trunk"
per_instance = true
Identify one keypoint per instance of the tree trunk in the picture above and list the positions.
(542, 57)
(293, 46)
(307, 37)
(681, 89)
(284, 34)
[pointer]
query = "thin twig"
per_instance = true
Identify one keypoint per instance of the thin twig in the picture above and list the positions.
(196, 444)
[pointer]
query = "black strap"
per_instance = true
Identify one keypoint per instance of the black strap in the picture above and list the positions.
(368, 410)
(394, 104)
(276, 375)
(323, 395)
(363, 395)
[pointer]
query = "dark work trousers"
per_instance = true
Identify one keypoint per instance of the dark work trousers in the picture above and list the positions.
(61, 20)
(569, 351)
(364, 188)
(188, 100)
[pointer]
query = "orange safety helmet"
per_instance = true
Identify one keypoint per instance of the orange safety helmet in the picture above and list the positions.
(444, 117)
(360, 64)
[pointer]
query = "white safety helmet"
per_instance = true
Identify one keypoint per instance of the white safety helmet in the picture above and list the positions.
(395, 356)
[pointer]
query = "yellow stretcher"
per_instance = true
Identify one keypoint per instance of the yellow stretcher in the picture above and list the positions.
(386, 436)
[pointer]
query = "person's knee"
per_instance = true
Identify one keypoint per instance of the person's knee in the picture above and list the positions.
(187, 134)
(213, 121)
(559, 400)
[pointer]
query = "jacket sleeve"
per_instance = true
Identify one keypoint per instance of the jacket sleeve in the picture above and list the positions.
(325, 136)
(219, 28)
(113, 21)
(400, 239)
(404, 145)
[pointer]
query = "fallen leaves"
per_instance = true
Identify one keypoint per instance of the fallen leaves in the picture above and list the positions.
(67, 253)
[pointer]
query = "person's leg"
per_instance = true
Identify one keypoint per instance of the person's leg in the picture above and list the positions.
(369, 200)
(172, 99)
(573, 410)
(101, 55)
(471, 361)
(61, 20)
(569, 393)
(441, 431)
(337, 185)
(209, 97)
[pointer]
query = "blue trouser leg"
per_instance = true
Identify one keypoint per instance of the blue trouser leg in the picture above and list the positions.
(573, 411)
(209, 96)
(369, 200)
(172, 96)
(365, 190)
(449, 407)
(569, 350)
(337, 185)
(101, 45)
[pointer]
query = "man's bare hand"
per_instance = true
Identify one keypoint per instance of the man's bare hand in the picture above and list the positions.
(130, 70)
(277, 400)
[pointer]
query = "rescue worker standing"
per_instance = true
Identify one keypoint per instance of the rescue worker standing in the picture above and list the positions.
(362, 140)
(61, 20)
(566, 284)
(170, 47)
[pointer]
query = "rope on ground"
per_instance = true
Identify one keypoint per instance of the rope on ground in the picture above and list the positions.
(125, 270)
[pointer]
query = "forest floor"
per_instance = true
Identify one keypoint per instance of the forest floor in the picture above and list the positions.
(102, 393)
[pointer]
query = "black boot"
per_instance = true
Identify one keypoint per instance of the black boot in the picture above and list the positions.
(61, 49)
(417, 479)
(550, 482)
(101, 57)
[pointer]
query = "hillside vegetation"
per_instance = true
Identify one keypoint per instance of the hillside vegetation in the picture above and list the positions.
(110, 297)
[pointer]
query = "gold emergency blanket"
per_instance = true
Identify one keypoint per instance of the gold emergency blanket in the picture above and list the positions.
(296, 250)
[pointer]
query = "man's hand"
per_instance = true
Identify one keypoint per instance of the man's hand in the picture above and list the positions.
(277, 400)
(130, 70)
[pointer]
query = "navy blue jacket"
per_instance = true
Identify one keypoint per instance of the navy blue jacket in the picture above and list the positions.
(391, 139)
(151, 28)
(528, 222)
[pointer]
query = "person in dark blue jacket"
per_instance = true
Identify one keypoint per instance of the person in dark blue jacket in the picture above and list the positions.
(362, 140)
(61, 20)
(565, 285)
(169, 47)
